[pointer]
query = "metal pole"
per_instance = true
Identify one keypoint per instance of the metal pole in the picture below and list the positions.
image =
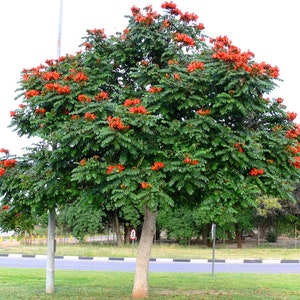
(213, 235)
(51, 242)
(59, 28)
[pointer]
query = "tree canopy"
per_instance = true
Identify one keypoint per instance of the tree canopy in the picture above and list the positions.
(158, 115)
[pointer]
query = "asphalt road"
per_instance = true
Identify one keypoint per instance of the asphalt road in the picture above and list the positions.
(155, 266)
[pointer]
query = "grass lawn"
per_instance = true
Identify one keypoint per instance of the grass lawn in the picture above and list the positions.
(29, 284)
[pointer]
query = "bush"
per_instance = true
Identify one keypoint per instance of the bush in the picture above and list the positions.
(272, 236)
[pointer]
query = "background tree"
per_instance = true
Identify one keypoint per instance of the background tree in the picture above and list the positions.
(160, 116)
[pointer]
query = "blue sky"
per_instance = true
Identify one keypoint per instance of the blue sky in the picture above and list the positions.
(29, 33)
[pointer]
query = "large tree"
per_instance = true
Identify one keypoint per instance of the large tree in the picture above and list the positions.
(161, 115)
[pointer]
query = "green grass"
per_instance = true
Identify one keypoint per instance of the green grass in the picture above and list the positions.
(158, 251)
(29, 284)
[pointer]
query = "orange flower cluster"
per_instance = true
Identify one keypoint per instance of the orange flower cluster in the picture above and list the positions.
(189, 161)
(264, 69)
(256, 172)
(194, 65)
(157, 165)
(90, 116)
(75, 117)
(61, 89)
(295, 150)
(118, 168)
(146, 185)
(172, 7)
(172, 62)
(31, 93)
(6, 163)
(188, 17)
(97, 32)
(84, 98)
(79, 77)
(203, 112)
(6, 151)
(155, 89)
(5, 207)
(87, 45)
(166, 23)
(138, 110)
(101, 96)
(200, 26)
(293, 133)
(116, 123)
(40, 111)
(83, 162)
(185, 17)
(292, 116)
(130, 102)
(185, 39)
(176, 76)
(51, 76)
(224, 50)
(296, 162)
(279, 100)
(148, 18)
(239, 147)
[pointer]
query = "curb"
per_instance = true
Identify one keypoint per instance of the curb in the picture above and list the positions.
(161, 260)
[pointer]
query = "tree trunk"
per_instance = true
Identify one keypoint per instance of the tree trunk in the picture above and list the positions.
(127, 231)
(50, 253)
(239, 236)
(117, 228)
(140, 286)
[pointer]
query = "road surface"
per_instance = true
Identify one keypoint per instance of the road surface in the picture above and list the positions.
(163, 265)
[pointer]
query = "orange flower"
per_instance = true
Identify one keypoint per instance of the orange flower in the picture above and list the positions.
(157, 165)
(130, 102)
(292, 116)
(256, 172)
(84, 98)
(116, 123)
(89, 116)
(155, 89)
(194, 65)
(177, 76)
(138, 110)
(189, 161)
(101, 96)
(118, 168)
(203, 112)
(239, 147)
(146, 185)
(2, 171)
(31, 93)
(83, 162)
(75, 117)
(79, 77)
(279, 100)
